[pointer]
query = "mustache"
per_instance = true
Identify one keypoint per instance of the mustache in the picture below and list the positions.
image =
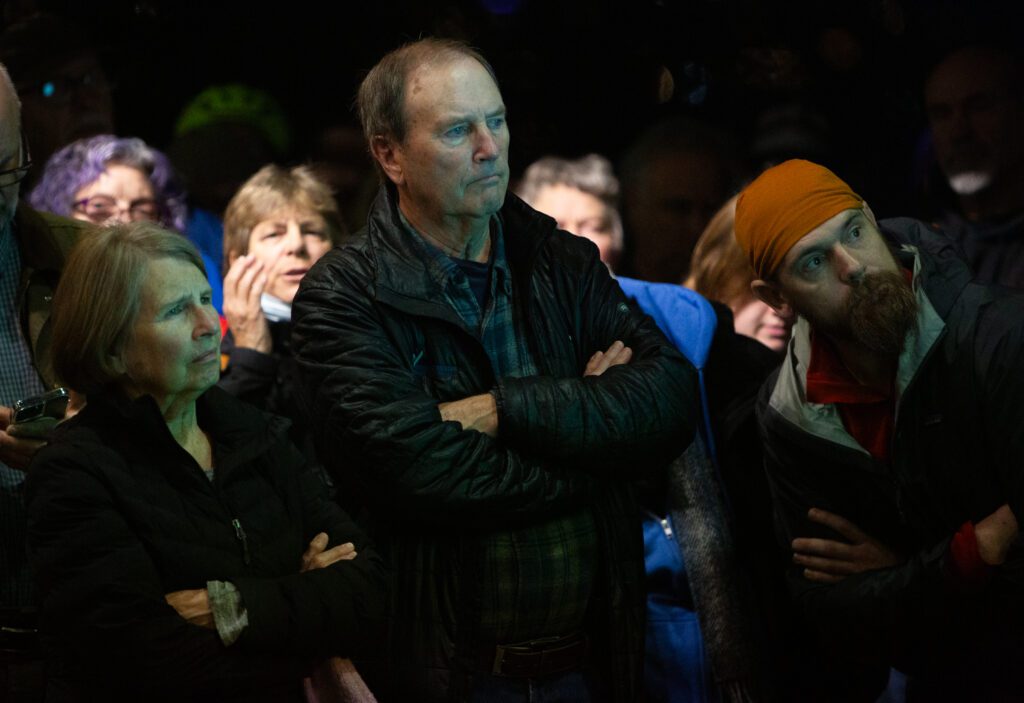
(882, 311)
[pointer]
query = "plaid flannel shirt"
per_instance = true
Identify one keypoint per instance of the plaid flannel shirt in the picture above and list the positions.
(536, 581)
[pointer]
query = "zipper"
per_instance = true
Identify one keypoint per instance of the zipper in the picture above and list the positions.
(665, 522)
(240, 535)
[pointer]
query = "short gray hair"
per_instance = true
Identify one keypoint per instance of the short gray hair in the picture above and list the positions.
(591, 174)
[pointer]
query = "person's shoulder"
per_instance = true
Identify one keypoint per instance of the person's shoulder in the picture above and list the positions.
(352, 262)
(78, 447)
(46, 237)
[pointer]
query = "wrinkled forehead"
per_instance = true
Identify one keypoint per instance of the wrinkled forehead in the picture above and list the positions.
(449, 78)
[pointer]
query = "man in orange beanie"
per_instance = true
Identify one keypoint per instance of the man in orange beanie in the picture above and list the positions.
(894, 438)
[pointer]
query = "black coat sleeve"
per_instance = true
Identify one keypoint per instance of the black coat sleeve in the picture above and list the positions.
(376, 424)
(641, 413)
(103, 602)
(876, 615)
(340, 609)
(250, 375)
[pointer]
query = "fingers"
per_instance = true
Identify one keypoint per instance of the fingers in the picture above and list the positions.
(316, 545)
(833, 567)
(39, 429)
(6, 416)
(17, 452)
(838, 523)
(245, 281)
(341, 552)
(618, 353)
(317, 556)
(821, 577)
(829, 548)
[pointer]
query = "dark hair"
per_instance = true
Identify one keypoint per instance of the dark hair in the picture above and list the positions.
(82, 162)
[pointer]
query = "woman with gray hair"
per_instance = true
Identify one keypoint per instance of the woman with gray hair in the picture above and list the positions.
(182, 549)
(583, 197)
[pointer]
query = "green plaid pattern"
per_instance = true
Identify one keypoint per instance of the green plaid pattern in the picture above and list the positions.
(535, 581)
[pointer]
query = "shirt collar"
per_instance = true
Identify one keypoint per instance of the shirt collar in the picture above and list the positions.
(443, 268)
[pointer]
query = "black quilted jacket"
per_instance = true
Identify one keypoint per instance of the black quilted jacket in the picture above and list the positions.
(379, 349)
(120, 514)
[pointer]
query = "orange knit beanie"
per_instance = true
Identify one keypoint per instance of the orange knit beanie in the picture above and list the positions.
(782, 205)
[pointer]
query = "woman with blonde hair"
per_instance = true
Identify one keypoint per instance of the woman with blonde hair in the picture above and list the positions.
(278, 224)
(721, 271)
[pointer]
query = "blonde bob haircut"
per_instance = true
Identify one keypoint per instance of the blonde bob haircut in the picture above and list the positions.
(270, 190)
(97, 302)
(719, 270)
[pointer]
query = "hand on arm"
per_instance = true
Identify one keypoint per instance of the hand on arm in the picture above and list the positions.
(480, 412)
(194, 605)
(318, 556)
(617, 354)
(830, 561)
(243, 286)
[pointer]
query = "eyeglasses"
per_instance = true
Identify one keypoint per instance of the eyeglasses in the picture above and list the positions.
(101, 208)
(17, 174)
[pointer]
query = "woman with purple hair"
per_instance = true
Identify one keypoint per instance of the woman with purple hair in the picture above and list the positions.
(107, 179)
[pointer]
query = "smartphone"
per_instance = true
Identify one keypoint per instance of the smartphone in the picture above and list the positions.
(37, 416)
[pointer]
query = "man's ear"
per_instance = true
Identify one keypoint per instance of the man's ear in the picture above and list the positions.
(389, 156)
(770, 294)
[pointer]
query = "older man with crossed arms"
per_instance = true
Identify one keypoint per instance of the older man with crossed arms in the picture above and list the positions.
(897, 414)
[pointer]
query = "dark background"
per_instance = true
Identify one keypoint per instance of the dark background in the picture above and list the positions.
(577, 76)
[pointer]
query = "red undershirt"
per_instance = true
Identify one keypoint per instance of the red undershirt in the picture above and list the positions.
(869, 416)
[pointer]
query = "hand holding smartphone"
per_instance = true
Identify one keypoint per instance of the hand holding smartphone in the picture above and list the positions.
(35, 417)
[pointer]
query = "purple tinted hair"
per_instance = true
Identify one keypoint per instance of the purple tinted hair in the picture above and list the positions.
(80, 163)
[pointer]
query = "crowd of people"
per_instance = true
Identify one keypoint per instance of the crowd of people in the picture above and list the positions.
(695, 435)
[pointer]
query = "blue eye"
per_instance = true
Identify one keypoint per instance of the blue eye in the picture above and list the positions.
(813, 263)
(457, 131)
(176, 310)
(854, 234)
(495, 123)
(206, 299)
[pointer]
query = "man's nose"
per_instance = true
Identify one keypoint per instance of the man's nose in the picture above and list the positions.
(487, 148)
(850, 269)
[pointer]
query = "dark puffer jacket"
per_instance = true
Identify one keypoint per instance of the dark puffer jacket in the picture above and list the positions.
(957, 454)
(120, 515)
(379, 349)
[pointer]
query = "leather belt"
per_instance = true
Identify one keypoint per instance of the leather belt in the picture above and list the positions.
(536, 658)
